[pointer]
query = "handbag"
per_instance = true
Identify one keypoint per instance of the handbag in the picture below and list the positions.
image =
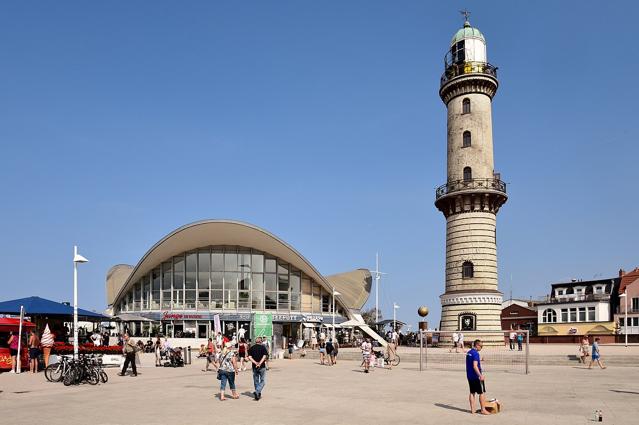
(219, 371)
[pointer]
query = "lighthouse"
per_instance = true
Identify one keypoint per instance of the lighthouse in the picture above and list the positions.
(473, 193)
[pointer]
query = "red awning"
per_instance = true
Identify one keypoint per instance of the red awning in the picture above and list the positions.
(10, 324)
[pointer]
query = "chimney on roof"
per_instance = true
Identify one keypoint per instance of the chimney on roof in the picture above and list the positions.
(621, 272)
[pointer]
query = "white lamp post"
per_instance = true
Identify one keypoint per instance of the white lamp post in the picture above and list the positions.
(625, 320)
(335, 293)
(395, 307)
(378, 276)
(77, 258)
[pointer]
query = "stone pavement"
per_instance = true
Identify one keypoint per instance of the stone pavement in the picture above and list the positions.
(303, 392)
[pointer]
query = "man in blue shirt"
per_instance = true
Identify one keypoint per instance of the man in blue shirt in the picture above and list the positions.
(475, 378)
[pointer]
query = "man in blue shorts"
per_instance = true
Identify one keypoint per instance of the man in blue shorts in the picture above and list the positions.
(475, 378)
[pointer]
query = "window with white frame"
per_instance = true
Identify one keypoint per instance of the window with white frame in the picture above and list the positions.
(635, 304)
(573, 314)
(591, 314)
(549, 316)
(564, 314)
(582, 314)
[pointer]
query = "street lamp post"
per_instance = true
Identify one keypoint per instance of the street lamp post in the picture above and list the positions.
(625, 320)
(77, 258)
(335, 293)
(395, 307)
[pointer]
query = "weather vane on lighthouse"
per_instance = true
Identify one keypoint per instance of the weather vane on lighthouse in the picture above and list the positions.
(466, 14)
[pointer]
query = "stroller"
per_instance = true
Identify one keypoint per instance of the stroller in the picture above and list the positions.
(175, 358)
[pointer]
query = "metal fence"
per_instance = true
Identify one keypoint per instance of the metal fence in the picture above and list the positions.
(437, 350)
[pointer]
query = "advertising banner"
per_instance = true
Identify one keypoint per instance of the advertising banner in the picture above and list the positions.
(262, 325)
(217, 326)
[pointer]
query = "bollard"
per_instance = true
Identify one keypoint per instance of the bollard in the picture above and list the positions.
(189, 351)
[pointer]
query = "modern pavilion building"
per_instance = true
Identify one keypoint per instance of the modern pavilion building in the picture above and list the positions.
(231, 270)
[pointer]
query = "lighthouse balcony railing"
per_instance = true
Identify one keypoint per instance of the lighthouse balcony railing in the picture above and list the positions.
(470, 184)
(463, 68)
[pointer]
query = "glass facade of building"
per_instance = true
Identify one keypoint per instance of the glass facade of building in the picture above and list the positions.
(226, 279)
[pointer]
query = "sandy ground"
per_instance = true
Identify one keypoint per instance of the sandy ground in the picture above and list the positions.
(303, 392)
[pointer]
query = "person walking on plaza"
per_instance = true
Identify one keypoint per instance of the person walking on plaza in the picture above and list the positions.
(334, 353)
(511, 338)
(322, 351)
(391, 351)
(34, 351)
(258, 355)
(520, 341)
(366, 348)
(460, 341)
(47, 343)
(242, 349)
(129, 349)
(455, 342)
(475, 376)
(584, 349)
(157, 349)
(329, 351)
(596, 355)
(227, 371)
(314, 340)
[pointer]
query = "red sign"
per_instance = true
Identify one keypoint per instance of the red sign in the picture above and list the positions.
(167, 315)
(5, 359)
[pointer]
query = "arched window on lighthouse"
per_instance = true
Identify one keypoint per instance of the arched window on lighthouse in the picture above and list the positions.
(468, 270)
(468, 174)
(466, 139)
(466, 106)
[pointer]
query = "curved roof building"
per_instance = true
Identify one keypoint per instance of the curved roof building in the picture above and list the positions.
(231, 269)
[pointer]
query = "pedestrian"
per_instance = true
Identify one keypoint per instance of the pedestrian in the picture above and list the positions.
(335, 352)
(242, 350)
(322, 336)
(366, 348)
(291, 348)
(129, 349)
(391, 351)
(584, 349)
(475, 376)
(157, 349)
(460, 341)
(329, 351)
(455, 342)
(34, 351)
(218, 341)
(13, 348)
(520, 340)
(322, 351)
(314, 340)
(258, 356)
(96, 338)
(596, 355)
(106, 339)
(227, 371)
(511, 338)
(47, 343)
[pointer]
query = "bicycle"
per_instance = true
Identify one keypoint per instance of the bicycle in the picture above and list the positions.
(395, 361)
(56, 371)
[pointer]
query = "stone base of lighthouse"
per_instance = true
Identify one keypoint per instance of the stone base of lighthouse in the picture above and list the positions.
(479, 311)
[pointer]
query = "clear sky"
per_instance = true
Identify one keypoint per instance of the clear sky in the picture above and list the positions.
(318, 121)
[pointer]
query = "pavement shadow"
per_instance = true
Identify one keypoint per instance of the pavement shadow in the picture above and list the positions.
(248, 394)
(449, 407)
(625, 392)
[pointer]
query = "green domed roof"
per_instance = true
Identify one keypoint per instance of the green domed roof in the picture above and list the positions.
(467, 32)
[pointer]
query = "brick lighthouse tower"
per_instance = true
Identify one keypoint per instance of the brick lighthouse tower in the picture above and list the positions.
(473, 192)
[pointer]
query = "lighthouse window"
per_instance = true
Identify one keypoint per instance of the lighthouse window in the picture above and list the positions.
(466, 139)
(468, 270)
(466, 106)
(468, 174)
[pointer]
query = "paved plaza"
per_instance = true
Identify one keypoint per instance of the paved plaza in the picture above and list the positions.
(300, 391)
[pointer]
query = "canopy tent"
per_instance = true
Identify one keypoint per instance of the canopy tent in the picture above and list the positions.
(383, 323)
(9, 324)
(128, 317)
(36, 306)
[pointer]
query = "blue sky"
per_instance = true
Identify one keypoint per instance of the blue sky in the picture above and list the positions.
(318, 121)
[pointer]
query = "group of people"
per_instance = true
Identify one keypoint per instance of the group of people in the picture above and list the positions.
(328, 351)
(36, 347)
(584, 352)
(518, 338)
(372, 358)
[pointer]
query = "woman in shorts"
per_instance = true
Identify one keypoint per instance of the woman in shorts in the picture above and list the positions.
(13, 348)
(322, 351)
(584, 349)
(242, 349)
